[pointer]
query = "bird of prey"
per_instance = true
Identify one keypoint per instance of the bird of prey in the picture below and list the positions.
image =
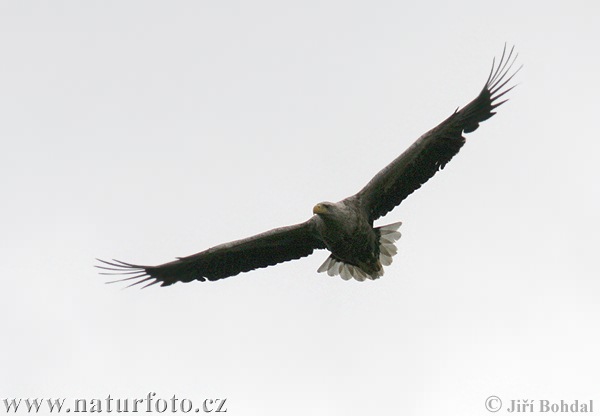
(345, 228)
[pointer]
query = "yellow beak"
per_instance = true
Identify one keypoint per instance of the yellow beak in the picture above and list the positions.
(319, 209)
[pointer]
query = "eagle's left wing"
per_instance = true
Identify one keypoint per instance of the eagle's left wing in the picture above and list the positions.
(435, 148)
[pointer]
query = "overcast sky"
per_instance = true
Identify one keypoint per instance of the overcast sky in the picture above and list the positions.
(146, 130)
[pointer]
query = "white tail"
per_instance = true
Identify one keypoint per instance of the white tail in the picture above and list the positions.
(389, 234)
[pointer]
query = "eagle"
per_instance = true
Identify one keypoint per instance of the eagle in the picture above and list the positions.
(358, 250)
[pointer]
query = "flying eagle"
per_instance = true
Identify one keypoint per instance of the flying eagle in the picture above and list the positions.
(345, 228)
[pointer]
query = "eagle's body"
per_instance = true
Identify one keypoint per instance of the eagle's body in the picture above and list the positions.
(348, 234)
(345, 228)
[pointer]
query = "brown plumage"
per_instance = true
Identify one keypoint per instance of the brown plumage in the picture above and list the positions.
(358, 250)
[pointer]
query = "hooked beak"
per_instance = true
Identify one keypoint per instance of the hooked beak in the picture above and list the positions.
(319, 209)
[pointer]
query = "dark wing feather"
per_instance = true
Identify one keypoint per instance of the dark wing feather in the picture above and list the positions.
(229, 259)
(435, 148)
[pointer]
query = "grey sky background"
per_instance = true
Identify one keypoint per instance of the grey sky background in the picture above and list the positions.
(148, 130)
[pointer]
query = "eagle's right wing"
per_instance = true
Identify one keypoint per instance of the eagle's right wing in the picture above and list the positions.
(262, 250)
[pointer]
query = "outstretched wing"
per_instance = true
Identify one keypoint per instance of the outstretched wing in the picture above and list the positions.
(229, 259)
(435, 148)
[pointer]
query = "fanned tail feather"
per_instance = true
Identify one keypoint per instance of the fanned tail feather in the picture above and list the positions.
(388, 235)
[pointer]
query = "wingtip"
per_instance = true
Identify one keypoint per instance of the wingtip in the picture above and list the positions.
(502, 73)
(132, 272)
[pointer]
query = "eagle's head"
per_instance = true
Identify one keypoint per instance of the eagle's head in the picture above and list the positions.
(324, 208)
